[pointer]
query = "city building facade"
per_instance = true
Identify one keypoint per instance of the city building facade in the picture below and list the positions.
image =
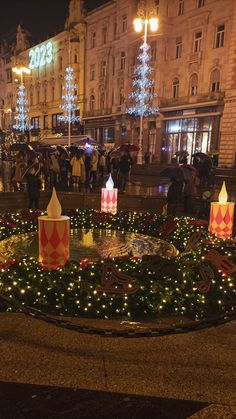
(193, 60)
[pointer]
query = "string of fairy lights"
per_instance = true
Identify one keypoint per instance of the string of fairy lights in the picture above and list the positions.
(72, 290)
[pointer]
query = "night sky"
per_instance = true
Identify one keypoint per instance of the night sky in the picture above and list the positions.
(40, 17)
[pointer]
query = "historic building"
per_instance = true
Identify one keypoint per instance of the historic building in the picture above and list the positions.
(193, 57)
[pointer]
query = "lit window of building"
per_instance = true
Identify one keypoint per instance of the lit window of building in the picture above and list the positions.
(215, 81)
(193, 85)
(124, 23)
(220, 35)
(181, 7)
(92, 72)
(175, 88)
(122, 60)
(197, 42)
(178, 47)
(93, 40)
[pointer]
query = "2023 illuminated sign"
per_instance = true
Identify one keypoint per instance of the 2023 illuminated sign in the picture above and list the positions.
(41, 55)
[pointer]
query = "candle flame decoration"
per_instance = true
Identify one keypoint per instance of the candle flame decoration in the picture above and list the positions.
(110, 183)
(54, 206)
(223, 196)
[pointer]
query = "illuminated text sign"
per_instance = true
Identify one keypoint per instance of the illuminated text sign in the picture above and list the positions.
(40, 56)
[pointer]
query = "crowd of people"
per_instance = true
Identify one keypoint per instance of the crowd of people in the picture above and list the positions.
(183, 191)
(75, 170)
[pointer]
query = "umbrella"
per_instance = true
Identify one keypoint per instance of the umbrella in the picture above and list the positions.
(128, 147)
(35, 165)
(175, 172)
(202, 155)
(26, 148)
(46, 149)
(62, 150)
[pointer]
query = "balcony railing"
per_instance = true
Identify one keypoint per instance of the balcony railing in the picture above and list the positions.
(98, 112)
(185, 100)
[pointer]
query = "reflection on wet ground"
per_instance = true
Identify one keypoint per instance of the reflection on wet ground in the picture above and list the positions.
(93, 244)
(148, 186)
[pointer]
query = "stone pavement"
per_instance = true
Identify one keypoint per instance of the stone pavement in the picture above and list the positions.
(47, 372)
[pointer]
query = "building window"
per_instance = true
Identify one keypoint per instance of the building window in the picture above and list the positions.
(60, 63)
(45, 122)
(35, 122)
(121, 94)
(56, 121)
(45, 94)
(178, 47)
(153, 51)
(113, 65)
(9, 75)
(175, 88)
(92, 72)
(124, 23)
(93, 40)
(92, 103)
(102, 101)
(103, 68)
(115, 29)
(53, 92)
(220, 35)
(75, 58)
(157, 5)
(122, 60)
(200, 3)
(112, 97)
(104, 35)
(38, 96)
(215, 81)
(181, 7)
(197, 42)
(193, 85)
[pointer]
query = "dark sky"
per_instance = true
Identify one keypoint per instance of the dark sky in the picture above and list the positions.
(40, 17)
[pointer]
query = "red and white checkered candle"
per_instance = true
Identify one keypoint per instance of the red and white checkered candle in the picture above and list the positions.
(54, 236)
(222, 216)
(109, 197)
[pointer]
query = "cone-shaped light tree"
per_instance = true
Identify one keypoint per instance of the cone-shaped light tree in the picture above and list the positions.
(142, 95)
(69, 97)
(22, 117)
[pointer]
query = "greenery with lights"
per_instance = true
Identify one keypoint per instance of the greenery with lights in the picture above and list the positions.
(72, 290)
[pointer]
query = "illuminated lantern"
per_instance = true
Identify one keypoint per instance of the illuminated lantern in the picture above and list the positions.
(54, 236)
(222, 216)
(109, 197)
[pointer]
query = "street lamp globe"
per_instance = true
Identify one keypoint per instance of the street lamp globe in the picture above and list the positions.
(153, 22)
(138, 26)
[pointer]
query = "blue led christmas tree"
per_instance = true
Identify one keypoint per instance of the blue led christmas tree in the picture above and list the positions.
(21, 117)
(69, 96)
(142, 83)
(142, 94)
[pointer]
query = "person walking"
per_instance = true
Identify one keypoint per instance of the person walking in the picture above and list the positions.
(33, 188)
(78, 171)
(125, 164)
(174, 195)
(189, 195)
(94, 167)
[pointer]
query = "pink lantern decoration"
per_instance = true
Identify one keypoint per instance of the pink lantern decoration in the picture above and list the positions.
(54, 236)
(109, 197)
(222, 216)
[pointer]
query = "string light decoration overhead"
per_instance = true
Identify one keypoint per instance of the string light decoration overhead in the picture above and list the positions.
(22, 117)
(69, 96)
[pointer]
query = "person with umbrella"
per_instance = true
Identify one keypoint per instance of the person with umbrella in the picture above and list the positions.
(174, 195)
(125, 164)
(33, 187)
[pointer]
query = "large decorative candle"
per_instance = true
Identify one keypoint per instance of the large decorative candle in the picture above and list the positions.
(109, 197)
(222, 216)
(54, 236)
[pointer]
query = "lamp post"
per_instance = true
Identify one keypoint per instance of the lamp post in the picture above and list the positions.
(20, 71)
(140, 23)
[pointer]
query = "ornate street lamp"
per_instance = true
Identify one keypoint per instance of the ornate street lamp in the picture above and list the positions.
(146, 20)
(22, 112)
